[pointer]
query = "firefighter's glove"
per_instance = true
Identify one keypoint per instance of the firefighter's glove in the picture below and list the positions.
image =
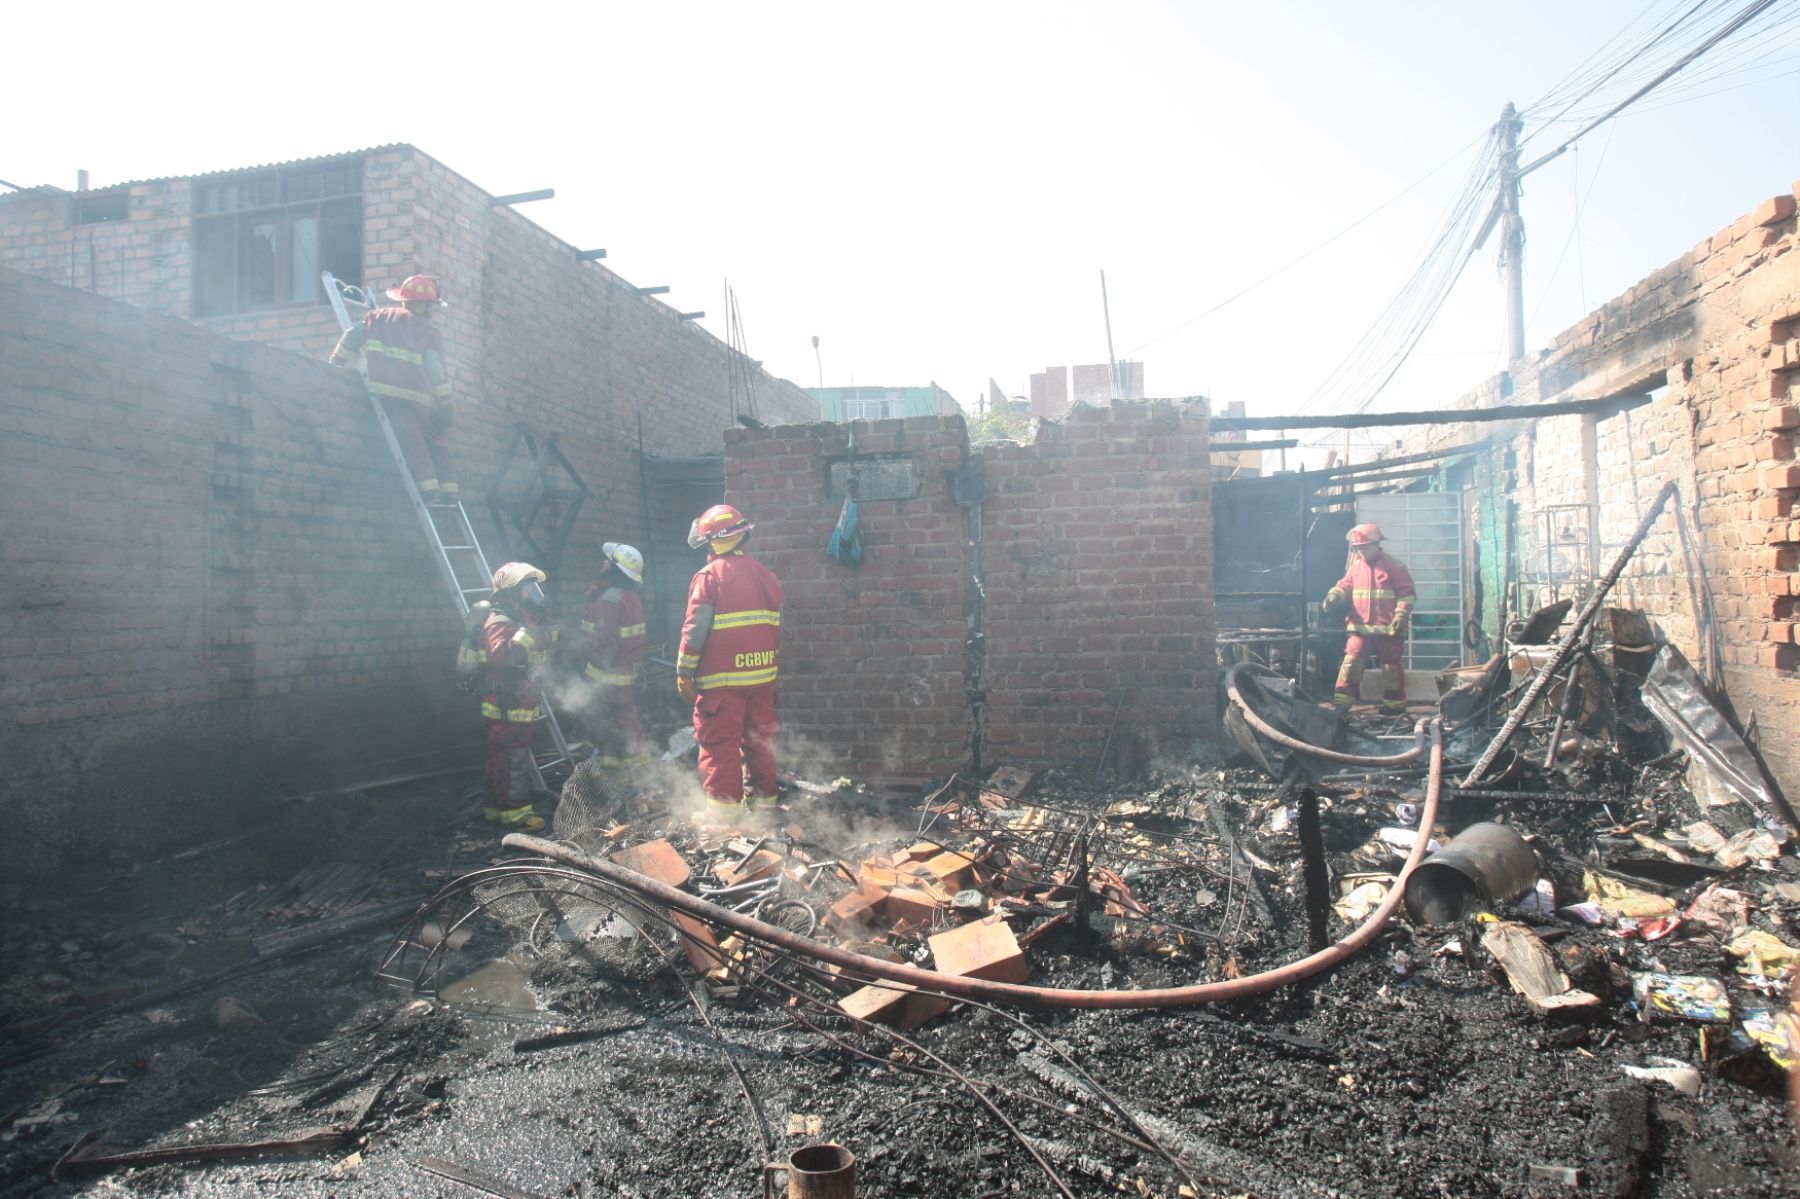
(686, 688)
(1398, 627)
(1336, 603)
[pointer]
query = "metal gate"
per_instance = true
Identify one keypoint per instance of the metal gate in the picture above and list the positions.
(1424, 530)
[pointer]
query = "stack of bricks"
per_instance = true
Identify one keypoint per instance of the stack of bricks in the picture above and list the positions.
(1096, 542)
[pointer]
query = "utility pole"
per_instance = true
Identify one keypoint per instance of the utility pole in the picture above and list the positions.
(1513, 227)
(818, 362)
(1112, 362)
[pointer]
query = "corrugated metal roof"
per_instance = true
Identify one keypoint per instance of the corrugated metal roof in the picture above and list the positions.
(51, 189)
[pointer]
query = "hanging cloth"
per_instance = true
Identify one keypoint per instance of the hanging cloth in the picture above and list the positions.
(846, 542)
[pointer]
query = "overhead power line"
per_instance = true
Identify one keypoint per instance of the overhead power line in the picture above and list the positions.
(1732, 26)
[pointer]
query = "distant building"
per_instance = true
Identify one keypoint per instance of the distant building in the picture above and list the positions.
(883, 403)
(1050, 392)
(1052, 395)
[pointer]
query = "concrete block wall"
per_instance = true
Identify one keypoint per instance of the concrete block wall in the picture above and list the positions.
(1096, 551)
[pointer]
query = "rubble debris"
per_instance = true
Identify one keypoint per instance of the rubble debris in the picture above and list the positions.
(899, 1004)
(658, 860)
(1532, 970)
(1764, 954)
(1686, 996)
(1670, 1071)
(230, 1015)
(487, 1184)
(1721, 767)
(1619, 901)
(1566, 647)
(980, 949)
(93, 1155)
(1751, 845)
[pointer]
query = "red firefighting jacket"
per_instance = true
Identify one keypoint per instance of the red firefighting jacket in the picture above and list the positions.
(745, 642)
(1378, 592)
(508, 692)
(614, 624)
(405, 356)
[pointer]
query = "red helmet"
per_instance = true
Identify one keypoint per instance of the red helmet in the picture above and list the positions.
(419, 288)
(719, 523)
(1364, 535)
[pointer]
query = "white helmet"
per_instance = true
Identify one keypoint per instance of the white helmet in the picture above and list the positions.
(626, 558)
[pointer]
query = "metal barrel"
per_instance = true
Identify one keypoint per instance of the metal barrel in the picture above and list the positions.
(1484, 864)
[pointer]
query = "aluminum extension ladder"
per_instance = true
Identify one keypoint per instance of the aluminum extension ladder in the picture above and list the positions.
(460, 560)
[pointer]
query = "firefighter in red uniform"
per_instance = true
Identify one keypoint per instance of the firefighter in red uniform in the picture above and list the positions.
(406, 370)
(614, 624)
(511, 702)
(1376, 597)
(730, 643)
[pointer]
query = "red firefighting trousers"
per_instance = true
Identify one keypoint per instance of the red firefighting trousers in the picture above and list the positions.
(1388, 652)
(506, 780)
(423, 434)
(618, 733)
(736, 729)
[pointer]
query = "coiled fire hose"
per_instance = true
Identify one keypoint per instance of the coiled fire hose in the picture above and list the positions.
(861, 965)
(1288, 741)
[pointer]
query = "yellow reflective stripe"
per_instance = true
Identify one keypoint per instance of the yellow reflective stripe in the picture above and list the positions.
(1373, 593)
(402, 393)
(512, 715)
(588, 626)
(404, 355)
(735, 678)
(1380, 630)
(687, 661)
(753, 616)
(631, 630)
(523, 639)
(442, 391)
(611, 678)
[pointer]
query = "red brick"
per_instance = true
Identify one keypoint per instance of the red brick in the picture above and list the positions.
(654, 859)
(699, 943)
(984, 948)
(1773, 211)
(900, 1005)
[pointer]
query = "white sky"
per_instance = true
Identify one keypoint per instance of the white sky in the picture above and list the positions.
(933, 188)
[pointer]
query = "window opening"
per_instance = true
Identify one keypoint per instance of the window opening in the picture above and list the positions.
(261, 238)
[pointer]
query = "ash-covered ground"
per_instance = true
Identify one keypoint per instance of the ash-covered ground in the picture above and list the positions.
(537, 1067)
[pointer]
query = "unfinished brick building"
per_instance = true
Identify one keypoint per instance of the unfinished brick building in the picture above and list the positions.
(537, 333)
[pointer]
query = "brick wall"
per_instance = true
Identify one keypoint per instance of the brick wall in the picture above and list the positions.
(1098, 550)
(215, 570)
(1711, 338)
(216, 592)
(1095, 547)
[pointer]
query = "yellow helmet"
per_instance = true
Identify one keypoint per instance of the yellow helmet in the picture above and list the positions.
(515, 574)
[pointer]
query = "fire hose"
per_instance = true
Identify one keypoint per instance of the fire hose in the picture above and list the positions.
(1016, 993)
(1288, 741)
